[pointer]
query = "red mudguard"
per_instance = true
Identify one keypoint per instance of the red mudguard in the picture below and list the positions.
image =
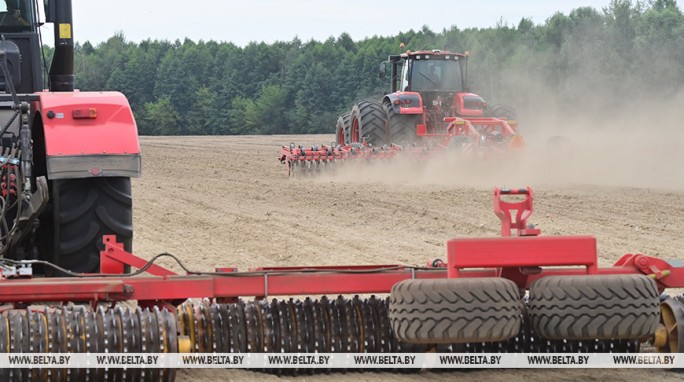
(89, 134)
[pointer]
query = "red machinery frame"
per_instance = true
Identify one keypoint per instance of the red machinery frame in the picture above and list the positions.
(522, 259)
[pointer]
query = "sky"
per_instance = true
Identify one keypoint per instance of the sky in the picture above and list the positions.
(242, 22)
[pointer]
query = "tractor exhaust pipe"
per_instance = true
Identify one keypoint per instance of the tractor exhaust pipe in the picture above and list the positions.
(61, 77)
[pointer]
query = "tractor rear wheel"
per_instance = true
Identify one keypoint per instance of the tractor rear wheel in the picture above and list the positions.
(594, 307)
(342, 130)
(83, 210)
(455, 310)
(368, 121)
(402, 127)
(501, 111)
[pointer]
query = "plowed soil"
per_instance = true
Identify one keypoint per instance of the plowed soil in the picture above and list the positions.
(227, 201)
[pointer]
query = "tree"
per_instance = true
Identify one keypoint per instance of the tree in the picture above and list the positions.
(586, 60)
(161, 118)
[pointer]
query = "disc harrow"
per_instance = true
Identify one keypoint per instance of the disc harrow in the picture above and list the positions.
(361, 326)
(341, 325)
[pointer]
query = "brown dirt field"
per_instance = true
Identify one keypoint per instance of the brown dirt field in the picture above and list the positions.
(226, 201)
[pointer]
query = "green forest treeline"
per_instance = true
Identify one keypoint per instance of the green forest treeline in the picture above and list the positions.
(589, 59)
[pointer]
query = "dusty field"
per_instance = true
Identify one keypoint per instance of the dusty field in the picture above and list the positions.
(227, 201)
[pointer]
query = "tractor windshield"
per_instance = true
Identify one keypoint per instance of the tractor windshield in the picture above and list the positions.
(436, 75)
(16, 15)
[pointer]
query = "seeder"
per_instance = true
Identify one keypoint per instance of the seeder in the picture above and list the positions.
(520, 292)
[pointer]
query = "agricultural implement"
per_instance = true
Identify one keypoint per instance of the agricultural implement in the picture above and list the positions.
(476, 138)
(520, 292)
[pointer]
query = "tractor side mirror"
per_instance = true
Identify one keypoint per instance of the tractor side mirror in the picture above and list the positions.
(383, 69)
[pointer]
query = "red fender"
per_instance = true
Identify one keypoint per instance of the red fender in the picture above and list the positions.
(469, 104)
(406, 102)
(89, 134)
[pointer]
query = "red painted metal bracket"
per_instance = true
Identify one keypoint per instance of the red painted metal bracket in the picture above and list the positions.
(523, 210)
(114, 257)
(507, 252)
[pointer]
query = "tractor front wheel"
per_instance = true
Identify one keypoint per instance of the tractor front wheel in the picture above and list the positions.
(402, 127)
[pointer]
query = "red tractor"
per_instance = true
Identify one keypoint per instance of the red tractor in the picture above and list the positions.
(429, 99)
(67, 156)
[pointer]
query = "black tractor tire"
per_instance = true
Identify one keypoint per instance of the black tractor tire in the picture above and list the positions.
(83, 210)
(451, 311)
(368, 118)
(501, 111)
(594, 307)
(343, 129)
(402, 127)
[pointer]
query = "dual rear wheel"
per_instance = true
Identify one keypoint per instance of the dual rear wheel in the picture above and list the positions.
(377, 125)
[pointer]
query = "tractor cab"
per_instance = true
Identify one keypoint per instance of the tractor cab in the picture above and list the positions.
(17, 15)
(432, 72)
(427, 71)
(433, 84)
(21, 45)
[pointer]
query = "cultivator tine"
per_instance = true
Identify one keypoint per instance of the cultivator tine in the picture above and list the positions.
(306, 161)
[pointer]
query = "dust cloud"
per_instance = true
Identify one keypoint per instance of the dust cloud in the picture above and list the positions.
(631, 153)
(634, 142)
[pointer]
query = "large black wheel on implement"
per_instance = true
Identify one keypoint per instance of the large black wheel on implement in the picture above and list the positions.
(402, 127)
(343, 129)
(594, 307)
(368, 122)
(82, 211)
(455, 310)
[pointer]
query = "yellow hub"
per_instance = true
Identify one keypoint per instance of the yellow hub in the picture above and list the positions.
(669, 338)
